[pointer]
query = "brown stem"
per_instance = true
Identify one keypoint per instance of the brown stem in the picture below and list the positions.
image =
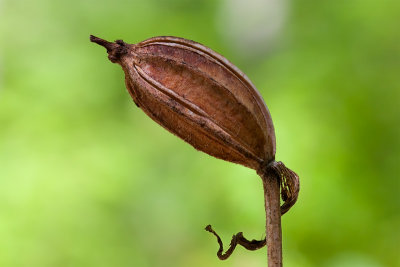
(274, 175)
(271, 184)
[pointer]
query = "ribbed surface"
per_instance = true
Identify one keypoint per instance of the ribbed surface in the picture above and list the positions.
(202, 98)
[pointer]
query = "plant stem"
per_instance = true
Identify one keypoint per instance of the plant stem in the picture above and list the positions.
(273, 213)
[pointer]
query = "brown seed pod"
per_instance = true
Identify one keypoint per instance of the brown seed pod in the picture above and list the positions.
(199, 96)
(205, 100)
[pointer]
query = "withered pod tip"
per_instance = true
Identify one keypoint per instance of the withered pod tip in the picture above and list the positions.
(108, 45)
(114, 50)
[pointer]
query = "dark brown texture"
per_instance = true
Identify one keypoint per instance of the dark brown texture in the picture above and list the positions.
(201, 97)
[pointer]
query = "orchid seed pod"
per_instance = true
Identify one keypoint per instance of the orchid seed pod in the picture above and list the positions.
(202, 98)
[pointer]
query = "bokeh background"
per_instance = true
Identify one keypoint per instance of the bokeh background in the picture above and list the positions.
(86, 179)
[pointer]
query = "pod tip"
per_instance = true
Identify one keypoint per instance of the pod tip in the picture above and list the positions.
(108, 45)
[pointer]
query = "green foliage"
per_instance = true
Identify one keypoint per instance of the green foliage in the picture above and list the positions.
(86, 179)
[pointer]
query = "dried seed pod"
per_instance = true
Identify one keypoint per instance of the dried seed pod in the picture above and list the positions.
(199, 96)
(205, 100)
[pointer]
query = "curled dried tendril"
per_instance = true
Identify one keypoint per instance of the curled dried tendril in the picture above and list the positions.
(236, 239)
(290, 187)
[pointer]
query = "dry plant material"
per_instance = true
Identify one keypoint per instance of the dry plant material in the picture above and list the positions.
(201, 97)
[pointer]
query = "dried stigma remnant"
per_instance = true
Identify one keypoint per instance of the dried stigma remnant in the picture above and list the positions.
(199, 96)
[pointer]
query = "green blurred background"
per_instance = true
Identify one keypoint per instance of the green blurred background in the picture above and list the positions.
(86, 179)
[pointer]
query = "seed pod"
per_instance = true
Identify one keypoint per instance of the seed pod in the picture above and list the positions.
(201, 97)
